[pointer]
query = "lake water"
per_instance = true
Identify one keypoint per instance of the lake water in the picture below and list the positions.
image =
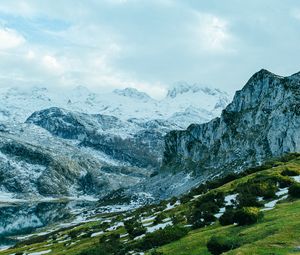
(23, 219)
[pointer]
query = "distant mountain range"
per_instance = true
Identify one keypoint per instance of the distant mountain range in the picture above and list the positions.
(78, 143)
(81, 143)
(183, 105)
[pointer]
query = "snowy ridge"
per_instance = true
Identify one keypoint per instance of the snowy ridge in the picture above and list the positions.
(79, 143)
(194, 103)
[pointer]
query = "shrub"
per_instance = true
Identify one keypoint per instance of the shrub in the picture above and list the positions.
(186, 198)
(196, 219)
(213, 197)
(221, 181)
(227, 218)
(203, 214)
(159, 218)
(204, 209)
(108, 245)
(245, 199)
(161, 237)
(289, 157)
(219, 244)
(294, 190)
(285, 182)
(260, 186)
(201, 189)
(289, 172)
(173, 200)
(177, 218)
(134, 228)
(247, 216)
(155, 252)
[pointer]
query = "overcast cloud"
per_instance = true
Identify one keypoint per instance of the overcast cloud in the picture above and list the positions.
(146, 44)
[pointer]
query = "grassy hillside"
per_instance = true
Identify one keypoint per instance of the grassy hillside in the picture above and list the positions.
(255, 212)
(278, 233)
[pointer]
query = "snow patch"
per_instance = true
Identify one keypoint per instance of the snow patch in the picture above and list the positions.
(159, 226)
(40, 252)
(296, 178)
(97, 234)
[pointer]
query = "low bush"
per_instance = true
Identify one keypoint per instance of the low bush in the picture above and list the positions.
(162, 237)
(247, 216)
(203, 215)
(294, 190)
(173, 200)
(245, 199)
(155, 252)
(177, 219)
(201, 189)
(216, 198)
(221, 180)
(108, 245)
(227, 218)
(289, 172)
(285, 182)
(134, 228)
(186, 198)
(262, 186)
(159, 218)
(219, 244)
(289, 157)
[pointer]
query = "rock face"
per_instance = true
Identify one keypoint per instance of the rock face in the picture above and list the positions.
(36, 164)
(263, 121)
(132, 143)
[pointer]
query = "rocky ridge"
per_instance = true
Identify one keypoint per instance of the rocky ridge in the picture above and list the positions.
(262, 121)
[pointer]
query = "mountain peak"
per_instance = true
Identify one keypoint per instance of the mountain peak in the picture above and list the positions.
(183, 87)
(295, 76)
(262, 74)
(132, 93)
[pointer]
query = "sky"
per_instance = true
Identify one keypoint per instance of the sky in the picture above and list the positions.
(146, 44)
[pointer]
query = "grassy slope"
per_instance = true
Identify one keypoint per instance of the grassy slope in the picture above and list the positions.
(277, 233)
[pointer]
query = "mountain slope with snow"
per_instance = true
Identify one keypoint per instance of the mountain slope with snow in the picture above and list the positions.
(76, 142)
(183, 105)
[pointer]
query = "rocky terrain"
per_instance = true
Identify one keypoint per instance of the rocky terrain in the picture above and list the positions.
(34, 163)
(262, 121)
(63, 152)
(80, 143)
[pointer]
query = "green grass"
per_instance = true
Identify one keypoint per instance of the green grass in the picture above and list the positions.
(278, 233)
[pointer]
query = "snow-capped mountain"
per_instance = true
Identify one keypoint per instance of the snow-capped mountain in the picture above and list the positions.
(76, 142)
(183, 105)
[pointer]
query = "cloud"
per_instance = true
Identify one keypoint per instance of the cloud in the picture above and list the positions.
(295, 13)
(52, 64)
(211, 33)
(17, 7)
(10, 39)
(145, 44)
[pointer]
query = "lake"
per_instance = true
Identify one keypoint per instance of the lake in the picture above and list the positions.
(25, 218)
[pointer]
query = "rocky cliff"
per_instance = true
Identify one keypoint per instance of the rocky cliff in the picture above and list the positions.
(130, 142)
(261, 122)
(35, 164)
